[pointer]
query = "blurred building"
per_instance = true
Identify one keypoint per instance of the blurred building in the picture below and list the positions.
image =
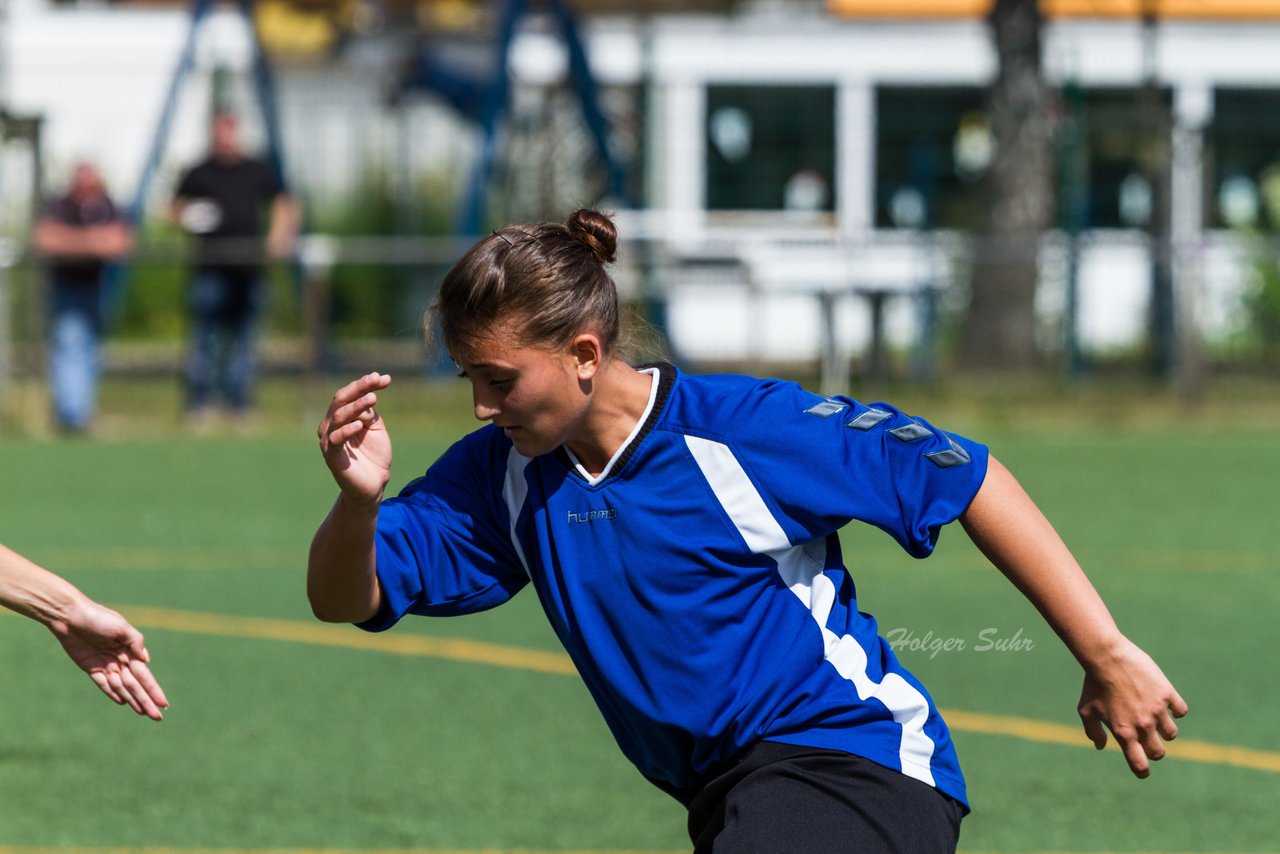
(790, 158)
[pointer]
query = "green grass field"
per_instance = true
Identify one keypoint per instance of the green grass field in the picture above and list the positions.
(286, 734)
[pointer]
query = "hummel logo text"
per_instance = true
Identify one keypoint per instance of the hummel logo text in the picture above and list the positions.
(606, 515)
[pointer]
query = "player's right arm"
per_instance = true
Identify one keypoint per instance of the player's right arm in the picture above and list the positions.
(342, 583)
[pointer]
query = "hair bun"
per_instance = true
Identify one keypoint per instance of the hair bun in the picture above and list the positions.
(596, 230)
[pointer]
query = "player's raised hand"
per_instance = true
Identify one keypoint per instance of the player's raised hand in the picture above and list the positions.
(104, 645)
(354, 440)
(1132, 698)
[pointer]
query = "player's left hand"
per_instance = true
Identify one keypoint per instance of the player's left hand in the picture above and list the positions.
(104, 645)
(1131, 697)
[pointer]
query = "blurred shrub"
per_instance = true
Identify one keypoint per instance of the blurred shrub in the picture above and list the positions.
(1262, 292)
(373, 300)
(145, 297)
(1262, 300)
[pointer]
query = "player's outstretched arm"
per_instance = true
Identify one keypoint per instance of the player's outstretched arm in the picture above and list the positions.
(1124, 690)
(101, 642)
(342, 584)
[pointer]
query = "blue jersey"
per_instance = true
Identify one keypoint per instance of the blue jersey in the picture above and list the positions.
(698, 583)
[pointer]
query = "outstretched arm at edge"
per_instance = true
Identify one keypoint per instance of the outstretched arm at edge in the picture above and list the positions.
(1123, 688)
(100, 642)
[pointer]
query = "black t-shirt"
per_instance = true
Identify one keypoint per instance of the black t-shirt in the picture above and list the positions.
(230, 217)
(96, 211)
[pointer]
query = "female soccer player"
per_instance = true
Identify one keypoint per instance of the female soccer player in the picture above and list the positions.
(98, 640)
(681, 533)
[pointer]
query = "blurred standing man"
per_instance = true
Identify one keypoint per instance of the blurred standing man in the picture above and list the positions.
(222, 201)
(78, 235)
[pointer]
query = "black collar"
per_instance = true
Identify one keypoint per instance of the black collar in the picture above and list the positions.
(666, 380)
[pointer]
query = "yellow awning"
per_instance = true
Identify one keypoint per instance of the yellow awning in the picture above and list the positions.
(1209, 10)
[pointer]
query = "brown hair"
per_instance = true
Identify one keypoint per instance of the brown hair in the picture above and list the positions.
(548, 278)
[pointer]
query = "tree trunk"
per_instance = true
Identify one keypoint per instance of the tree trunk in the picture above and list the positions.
(998, 332)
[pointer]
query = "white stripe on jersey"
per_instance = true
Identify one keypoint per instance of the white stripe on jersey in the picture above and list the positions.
(801, 569)
(514, 491)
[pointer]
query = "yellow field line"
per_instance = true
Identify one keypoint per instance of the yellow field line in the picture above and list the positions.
(499, 655)
(162, 558)
(1045, 732)
(320, 634)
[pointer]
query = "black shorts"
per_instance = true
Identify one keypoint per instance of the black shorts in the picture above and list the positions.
(782, 799)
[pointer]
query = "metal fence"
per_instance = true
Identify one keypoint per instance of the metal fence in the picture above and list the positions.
(824, 307)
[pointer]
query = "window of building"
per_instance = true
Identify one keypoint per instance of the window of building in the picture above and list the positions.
(771, 148)
(1242, 159)
(933, 146)
(1122, 150)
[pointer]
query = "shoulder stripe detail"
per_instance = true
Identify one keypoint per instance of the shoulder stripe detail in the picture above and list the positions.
(515, 489)
(802, 572)
(956, 455)
(868, 419)
(910, 432)
(825, 408)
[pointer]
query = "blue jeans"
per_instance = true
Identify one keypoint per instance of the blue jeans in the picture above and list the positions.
(75, 339)
(224, 318)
